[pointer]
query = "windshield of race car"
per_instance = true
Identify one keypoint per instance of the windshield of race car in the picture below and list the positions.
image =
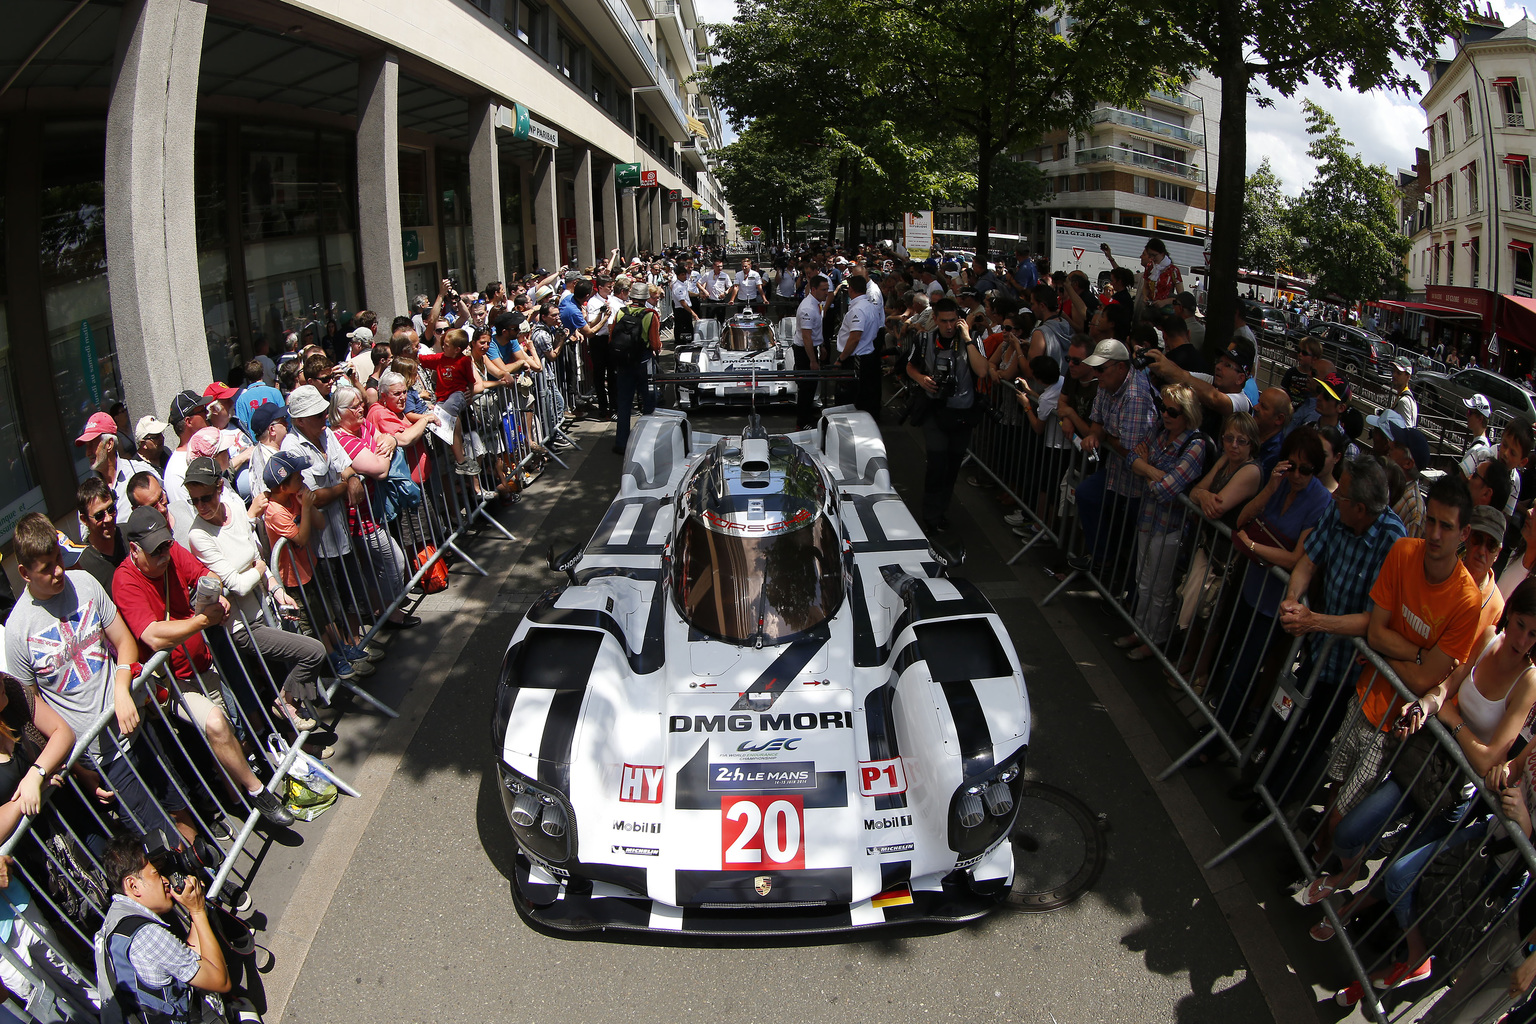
(756, 556)
(747, 334)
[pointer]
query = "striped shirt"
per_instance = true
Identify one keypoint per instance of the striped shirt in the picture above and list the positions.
(1182, 460)
(1349, 563)
(1130, 416)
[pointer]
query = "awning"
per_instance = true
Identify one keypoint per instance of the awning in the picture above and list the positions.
(697, 128)
(1430, 309)
(1517, 320)
(1519, 246)
(1498, 82)
(1516, 158)
(1467, 167)
(1459, 97)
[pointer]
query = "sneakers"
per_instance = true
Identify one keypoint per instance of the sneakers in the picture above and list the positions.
(1400, 975)
(237, 901)
(241, 941)
(1014, 518)
(370, 653)
(469, 467)
(272, 808)
(341, 668)
(219, 829)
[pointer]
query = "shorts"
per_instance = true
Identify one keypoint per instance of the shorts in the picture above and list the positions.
(1359, 751)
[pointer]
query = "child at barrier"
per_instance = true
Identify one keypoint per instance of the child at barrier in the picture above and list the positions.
(453, 384)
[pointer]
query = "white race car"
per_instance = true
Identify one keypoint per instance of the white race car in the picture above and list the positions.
(760, 706)
(747, 345)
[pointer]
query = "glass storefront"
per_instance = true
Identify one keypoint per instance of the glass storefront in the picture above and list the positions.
(458, 245)
(511, 174)
(19, 493)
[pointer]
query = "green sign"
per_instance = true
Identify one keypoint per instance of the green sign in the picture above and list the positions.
(88, 362)
(627, 175)
(519, 121)
(410, 244)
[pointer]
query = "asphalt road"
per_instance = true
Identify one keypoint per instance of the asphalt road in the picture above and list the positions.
(398, 906)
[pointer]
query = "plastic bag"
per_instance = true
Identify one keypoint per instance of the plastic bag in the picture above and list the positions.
(306, 803)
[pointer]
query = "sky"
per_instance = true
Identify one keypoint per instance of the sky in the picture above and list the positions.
(1385, 127)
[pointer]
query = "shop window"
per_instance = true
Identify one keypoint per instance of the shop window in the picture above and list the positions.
(415, 200)
(1523, 273)
(1173, 226)
(1474, 255)
(453, 204)
(1133, 220)
(211, 187)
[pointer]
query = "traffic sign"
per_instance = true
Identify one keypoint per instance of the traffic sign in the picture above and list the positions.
(682, 224)
(757, 232)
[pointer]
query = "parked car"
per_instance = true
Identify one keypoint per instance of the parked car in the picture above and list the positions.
(1444, 394)
(1356, 352)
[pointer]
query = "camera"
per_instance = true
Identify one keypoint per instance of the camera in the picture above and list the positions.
(174, 862)
(944, 382)
(1144, 360)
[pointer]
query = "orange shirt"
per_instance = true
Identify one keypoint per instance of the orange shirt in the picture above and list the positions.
(1443, 615)
(294, 564)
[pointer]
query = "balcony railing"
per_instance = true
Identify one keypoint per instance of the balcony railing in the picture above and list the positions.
(1515, 119)
(1133, 158)
(1521, 203)
(1132, 119)
(1178, 99)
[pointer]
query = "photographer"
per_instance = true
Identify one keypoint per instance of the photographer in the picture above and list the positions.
(947, 365)
(144, 971)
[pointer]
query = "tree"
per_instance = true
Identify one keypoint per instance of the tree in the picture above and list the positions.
(764, 181)
(1268, 245)
(1371, 44)
(1347, 217)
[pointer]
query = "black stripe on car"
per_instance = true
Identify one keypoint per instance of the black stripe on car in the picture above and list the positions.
(880, 724)
(559, 735)
(775, 679)
(738, 888)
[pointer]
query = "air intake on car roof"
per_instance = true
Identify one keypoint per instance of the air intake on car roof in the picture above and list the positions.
(754, 455)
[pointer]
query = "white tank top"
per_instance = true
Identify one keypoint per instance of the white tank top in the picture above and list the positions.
(1481, 714)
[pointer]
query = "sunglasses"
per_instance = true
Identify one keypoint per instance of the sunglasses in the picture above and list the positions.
(206, 499)
(1304, 469)
(107, 513)
(1482, 540)
(1075, 361)
(1237, 439)
(1010, 328)
(1172, 410)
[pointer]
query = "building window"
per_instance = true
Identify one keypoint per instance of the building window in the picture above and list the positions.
(1520, 186)
(1450, 263)
(526, 22)
(415, 202)
(1173, 193)
(1514, 113)
(1445, 133)
(1473, 255)
(1468, 126)
(1139, 184)
(1523, 273)
(1061, 151)
(1472, 204)
(1450, 198)
(1133, 220)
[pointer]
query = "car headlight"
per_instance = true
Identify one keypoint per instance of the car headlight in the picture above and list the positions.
(541, 818)
(983, 808)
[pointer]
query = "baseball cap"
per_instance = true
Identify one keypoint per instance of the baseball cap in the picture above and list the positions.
(1186, 300)
(147, 427)
(265, 415)
(1480, 405)
(206, 442)
(1335, 386)
(70, 549)
(1416, 445)
(202, 471)
(185, 404)
(1402, 364)
(1240, 353)
(363, 335)
(929, 265)
(220, 391)
(147, 528)
(306, 400)
(99, 423)
(1107, 351)
(1389, 423)
(1490, 521)
(280, 467)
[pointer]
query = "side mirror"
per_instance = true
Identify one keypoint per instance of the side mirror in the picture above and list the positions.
(949, 556)
(564, 562)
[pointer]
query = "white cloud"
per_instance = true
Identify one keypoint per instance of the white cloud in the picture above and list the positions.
(1384, 127)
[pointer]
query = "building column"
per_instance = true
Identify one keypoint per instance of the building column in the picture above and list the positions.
(610, 193)
(485, 194)
(657, 200)
(586, 226)
(629, 223)
(546, 211)
(378, 186)
(151, 231)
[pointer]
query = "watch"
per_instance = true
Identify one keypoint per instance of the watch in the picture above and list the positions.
(40, 769)
(1418, 659)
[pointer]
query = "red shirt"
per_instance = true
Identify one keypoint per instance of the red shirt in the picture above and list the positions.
(451, 375)
(386, 422)
(142, 601)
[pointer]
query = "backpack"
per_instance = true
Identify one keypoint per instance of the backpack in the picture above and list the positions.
(629, 338)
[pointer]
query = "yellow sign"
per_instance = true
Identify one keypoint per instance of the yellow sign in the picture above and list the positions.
(698, 205)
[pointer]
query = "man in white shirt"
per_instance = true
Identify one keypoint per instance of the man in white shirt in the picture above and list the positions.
(808, 322)
(360, 352)
(856, 347)
(599, 313)
(683, 313)
(99, 439)
(714, 287)
(931, 285)
(749, 286)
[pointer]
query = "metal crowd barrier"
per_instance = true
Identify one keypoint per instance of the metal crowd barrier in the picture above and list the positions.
(1209, 617)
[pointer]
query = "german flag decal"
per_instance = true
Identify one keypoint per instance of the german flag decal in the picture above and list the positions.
(900, 896)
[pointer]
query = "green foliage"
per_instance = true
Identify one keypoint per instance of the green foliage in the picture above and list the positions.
(764, 180)
(1347, 218)
(1268, 242)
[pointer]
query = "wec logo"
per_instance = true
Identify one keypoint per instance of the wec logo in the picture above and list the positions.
(777, 743)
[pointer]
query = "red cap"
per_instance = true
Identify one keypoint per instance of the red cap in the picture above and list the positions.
(99, 423)
(219, 391)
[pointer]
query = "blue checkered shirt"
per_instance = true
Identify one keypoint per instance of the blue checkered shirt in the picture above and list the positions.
(1349, 564)
(1161, 509)
(1130, 415)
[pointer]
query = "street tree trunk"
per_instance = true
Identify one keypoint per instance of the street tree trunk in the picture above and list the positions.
(1231, 180)
(835, 210)
(986, 152)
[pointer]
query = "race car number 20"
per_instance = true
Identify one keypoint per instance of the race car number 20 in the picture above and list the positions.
(762, 832)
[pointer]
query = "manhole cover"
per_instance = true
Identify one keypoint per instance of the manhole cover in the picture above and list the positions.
(1059, 849)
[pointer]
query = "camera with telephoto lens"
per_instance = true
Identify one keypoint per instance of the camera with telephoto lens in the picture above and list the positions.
(944, 382)
(174, 862)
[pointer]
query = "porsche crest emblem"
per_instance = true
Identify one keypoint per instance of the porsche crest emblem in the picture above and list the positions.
(763, 884)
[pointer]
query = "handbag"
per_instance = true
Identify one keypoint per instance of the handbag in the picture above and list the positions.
(400, 492)
(435, 579)
(1463, 900)
(1423, 768)
(1201, 588)
(1260, 532)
